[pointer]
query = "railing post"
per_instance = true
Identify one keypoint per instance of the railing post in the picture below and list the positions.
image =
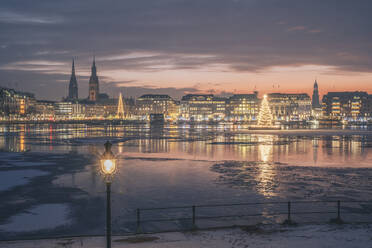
(289, 212)
(138, 229)
(193, 217)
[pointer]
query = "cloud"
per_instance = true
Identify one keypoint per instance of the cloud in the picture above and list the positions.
(296, 28)
(172, 35)
(18, 18)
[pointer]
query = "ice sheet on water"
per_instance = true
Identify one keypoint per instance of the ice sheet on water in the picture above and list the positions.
(10, 163)
(45, 216)
(291, 182)
(9, 179)
(10, 155)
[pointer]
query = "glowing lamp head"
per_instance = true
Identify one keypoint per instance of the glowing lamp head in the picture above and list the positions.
(108, 161)
(265, 96)
(108, 166)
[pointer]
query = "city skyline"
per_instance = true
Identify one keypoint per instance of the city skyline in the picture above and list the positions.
(175, 48)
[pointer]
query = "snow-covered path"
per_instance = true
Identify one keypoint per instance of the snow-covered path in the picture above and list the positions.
(303, 236)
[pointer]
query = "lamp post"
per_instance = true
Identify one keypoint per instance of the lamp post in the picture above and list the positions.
(108, 168)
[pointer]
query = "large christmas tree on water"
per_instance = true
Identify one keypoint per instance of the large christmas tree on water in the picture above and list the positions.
(265, 119)
(120, 112)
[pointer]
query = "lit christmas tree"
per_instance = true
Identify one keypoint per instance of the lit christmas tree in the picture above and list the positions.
(265, 119)
(120, 113)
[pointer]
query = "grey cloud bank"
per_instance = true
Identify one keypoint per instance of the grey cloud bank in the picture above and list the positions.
(173, 34)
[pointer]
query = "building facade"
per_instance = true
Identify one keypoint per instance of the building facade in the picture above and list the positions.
(243, 107)
(16, 103)
(347, 105)
(197, 107)
(290, 107)
(156, 104)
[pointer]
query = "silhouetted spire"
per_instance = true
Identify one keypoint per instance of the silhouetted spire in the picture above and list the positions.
(315, 100)
(94, 69)
(93, 83)
(73, 87)
(73, 67)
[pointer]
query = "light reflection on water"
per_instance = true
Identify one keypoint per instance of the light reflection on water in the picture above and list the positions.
(184, 165)
(212, 143)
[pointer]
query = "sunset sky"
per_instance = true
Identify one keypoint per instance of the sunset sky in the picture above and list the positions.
(177, 47)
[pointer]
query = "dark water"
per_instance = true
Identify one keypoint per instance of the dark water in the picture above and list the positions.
(53, 169)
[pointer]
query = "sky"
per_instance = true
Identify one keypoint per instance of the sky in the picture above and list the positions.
(177, 47)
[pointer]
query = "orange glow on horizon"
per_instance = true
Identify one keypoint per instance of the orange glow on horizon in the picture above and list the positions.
(219, 79)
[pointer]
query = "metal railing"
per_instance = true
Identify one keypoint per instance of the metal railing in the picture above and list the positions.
(334, 208)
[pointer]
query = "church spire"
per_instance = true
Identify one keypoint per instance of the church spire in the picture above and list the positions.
(315, 99)
(93, 83)
(73, 67)
(94, 68)
(73, 87)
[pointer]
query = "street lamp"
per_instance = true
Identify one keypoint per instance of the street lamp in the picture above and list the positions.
(108, 168)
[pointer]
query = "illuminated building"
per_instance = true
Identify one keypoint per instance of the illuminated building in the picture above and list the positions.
(156, 104)
(243, 107)
(63, 110)
(44, 110)
(197, 107)
(15, 103)
(95, 111)
(218, 108)
(290, 107)
(347, 105)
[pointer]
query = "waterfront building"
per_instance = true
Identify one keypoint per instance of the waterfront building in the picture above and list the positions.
(290, 107)
(219, 108)
(197, 107)
(63, 110)
(16, 103)
(130, 107)
(156, 104)
(347, 105)
(94, 111)
(243, 107)
(93, 84)
(73, 86)
(44, 110)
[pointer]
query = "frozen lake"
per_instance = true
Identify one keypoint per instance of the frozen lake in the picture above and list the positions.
(49, 172)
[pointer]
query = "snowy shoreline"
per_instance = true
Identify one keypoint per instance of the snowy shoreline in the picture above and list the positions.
(252, 236)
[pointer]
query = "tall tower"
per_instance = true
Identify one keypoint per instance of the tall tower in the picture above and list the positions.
(93, 83)
(315, 100)
(73, 87)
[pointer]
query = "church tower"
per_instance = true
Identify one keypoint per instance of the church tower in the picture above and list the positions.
(315, 100)
(93, 83)
(73, 87)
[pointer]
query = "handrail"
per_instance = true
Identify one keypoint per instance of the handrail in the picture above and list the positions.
(250, 203)
(193, 217)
